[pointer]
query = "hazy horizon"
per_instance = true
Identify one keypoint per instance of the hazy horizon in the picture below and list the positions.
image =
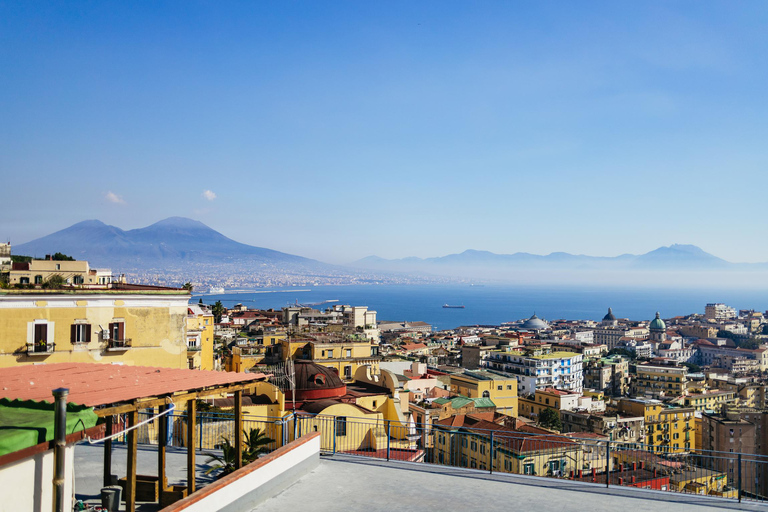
(337, 131)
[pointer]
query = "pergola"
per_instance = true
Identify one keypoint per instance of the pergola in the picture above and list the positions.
(117, 389)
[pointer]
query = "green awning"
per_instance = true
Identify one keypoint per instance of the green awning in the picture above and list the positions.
(29, 423)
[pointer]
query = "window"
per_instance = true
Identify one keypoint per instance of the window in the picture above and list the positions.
(482, 449)
(38, 279)
(78, 280)
(23, 280)
(347, 372)
(463, 442)
(58, 266)
(80, 333)
(473, 445)
(349, 352)
(486, 394)
(117, 331)
(374, 404)
(499, 388)
(341, 426)
(528, 469)
(509, 386)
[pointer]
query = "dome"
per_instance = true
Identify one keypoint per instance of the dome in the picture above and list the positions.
(657, 324)
(314, 381)
(609, 317)
(535, 323)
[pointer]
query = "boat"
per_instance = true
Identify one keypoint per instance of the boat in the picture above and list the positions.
(215, 291)
(453, 307)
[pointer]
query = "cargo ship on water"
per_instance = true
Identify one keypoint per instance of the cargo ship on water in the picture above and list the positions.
(453, 307)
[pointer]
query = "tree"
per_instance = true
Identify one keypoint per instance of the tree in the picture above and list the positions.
(55, 282)
(256, 444)
(62, 257)
(550, 418)
(200, 301)
(188, 286)
(218, 311)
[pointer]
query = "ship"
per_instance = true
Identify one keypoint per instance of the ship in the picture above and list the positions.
(215, 291)
(454, 307)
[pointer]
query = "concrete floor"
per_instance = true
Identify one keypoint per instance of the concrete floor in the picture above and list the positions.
(89, 472)
(353, 483)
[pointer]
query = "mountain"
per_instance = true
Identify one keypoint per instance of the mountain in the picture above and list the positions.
(175, 240)
(476, 263)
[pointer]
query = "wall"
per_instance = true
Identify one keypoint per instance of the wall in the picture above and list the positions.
(256, 482)
(31, 481)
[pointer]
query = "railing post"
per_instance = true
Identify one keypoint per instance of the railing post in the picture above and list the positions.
(607, 463)
(490, 455)
(739, 478)
(333, 418)
(389, 433)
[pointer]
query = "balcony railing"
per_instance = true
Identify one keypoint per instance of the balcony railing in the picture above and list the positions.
(193, 348)
(119, 345)
(40, 348)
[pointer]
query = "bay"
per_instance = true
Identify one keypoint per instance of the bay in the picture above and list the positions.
(495, 304)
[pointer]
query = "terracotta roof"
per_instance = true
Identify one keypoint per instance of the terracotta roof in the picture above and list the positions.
(96, 384)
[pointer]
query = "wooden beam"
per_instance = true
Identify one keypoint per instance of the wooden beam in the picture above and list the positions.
(130, 488)
(146, 403)
(191, 422)
(238, 429)
(162, 442)
(108, 453)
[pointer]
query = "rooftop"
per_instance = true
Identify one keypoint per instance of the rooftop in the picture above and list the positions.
(372, 485)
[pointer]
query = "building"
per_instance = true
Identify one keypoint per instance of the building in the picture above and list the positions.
(539, 369)
(657, 329)
(501, 389)
(118, 323)
(667, 429)
(609, 375)
(659, 381)
(731, 432)
(710, 401)
(718, 312)
(199, 338)
(76, 273)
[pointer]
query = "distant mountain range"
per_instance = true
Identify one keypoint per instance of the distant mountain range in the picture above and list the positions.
(171, 241)
(185, 248)
(673, 258)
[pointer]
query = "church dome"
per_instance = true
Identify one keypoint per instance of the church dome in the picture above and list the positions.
(657, 324)
(609, 317)
(535, 323)
(314, 381)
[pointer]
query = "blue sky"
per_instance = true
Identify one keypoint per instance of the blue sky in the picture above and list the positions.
(336, 130)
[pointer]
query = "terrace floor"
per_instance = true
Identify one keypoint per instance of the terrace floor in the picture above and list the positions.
(343, 482)
(89, 472)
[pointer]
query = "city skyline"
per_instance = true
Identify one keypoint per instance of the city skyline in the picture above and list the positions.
(341, 131)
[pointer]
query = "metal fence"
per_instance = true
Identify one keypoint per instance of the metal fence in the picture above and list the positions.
(581, 457)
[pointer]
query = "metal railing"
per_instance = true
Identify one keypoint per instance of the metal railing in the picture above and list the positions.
(579, 457)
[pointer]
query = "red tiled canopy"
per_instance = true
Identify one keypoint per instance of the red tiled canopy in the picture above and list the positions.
(95, 384)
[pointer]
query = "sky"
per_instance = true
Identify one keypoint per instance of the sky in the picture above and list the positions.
(338, 130)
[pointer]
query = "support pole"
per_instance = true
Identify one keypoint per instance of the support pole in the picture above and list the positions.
(59, 448)
(191, 425)
(389, 436)
(130, 487)
(162, 442)
(108, 453)
(607, 464)
(490, 455)
(739, 478)
(238, 429)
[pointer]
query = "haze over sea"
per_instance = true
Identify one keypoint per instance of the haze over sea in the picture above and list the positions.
(494, 304)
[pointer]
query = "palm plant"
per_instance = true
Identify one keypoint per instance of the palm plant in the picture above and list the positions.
(256, 444)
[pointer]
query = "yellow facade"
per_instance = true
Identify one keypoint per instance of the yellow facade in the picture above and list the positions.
(501, 390)
(199, 338)
(660, 381)
(713, 401)
(546, 457)
(144, 328)
(667, 429)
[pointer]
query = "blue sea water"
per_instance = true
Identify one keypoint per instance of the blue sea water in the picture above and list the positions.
(492, 305)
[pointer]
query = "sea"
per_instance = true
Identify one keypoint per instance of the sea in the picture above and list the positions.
(495, 304)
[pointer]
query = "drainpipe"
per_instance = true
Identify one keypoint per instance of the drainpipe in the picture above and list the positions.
(60, 443)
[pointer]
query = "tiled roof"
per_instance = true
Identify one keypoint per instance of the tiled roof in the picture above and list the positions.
(96, 384)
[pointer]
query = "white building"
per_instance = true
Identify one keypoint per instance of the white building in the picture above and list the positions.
(718, 311)
(535, 370)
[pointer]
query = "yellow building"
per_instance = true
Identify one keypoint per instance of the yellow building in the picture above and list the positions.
(659, 381)
(667, 429)
(547, 399)
(710, 401)
(128, 324)
(37, 272)
(465, 441)
(199, 338)
(502, 390)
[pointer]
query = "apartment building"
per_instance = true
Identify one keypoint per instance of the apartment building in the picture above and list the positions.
(719, 312)
(539, 369)
(667, 429)
(76, 273)
(199, 338)
(501, 389)
(659, 381)
(118, 323)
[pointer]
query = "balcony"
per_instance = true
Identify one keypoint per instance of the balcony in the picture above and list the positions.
(40, 349)
(193, 348)
(118, 345)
